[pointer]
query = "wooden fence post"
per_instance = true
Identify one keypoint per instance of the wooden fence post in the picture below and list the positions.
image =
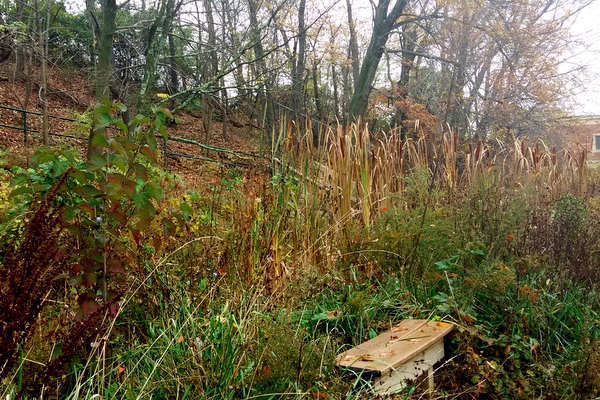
(24, 112)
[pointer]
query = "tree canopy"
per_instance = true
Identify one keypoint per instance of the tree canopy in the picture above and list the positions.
(483, 69)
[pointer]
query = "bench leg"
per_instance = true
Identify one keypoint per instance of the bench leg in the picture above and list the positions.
(430, 383)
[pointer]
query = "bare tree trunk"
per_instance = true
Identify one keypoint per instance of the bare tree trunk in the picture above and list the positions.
(224, 99)
(299, 66)
(159, 33)
(208, 101)
(106, 32)
(43, 93)
(318, 105)
(383, 24)
(408, 43)
(207, 116)
(21, 52)
(353, 45)
(29, 79)
(173, 78)
(346, 90)
(336, 96)
(265, 97)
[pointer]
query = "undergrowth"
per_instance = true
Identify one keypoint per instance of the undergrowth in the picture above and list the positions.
(227, 292)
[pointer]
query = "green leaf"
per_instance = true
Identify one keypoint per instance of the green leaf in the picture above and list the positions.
(119, 106)
(102, 117)
(119, 163)
(117, 147)
(59, 166)
(99, 140)
(56, 351)
(186, 210)
(122, 126)
(80, 176)
(139, 119)
(43, 156)
(161, 118)
(40, 187)
(76, 281)
(141, 199)
(97, 162)
(69, 156)
(478, 252)
(146, 151)
(163, 132)
(19, 191)
(154, 190)
(89, 191)
(151, 140)
(169, 228)
(19, 179)
(69, 212)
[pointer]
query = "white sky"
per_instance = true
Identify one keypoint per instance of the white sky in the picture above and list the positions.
(587, 29)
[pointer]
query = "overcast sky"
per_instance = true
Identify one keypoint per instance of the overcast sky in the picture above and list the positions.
(587, 29)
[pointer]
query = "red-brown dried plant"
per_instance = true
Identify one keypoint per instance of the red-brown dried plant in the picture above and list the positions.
(28, 268)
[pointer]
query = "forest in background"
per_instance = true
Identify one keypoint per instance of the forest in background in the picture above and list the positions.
(484, 69)
(123, 279)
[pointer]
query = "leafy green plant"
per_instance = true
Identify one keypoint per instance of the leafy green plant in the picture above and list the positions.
(102, 215)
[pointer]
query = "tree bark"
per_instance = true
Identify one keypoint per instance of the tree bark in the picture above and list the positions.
(299, 66)
(383, 24)
(353, 45)
(106, 31)
(264, 95)
(159, 34)
(43, 93)
(105, 48)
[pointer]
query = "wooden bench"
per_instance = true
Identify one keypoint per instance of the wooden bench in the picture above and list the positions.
(398, 355)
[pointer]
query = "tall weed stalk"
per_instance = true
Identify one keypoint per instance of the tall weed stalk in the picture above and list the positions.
(28, 268)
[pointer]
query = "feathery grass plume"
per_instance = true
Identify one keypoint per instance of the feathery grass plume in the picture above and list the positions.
(450, 151)
(29, 266)
(388, 171)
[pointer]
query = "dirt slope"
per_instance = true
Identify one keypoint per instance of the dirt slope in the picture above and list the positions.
(70, 95)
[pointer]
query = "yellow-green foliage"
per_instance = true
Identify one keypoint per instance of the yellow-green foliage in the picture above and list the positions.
(4, 193)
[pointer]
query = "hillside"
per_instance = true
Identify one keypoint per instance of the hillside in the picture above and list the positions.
(71, 96)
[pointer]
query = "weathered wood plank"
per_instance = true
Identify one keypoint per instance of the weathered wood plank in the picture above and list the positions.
(402, 353)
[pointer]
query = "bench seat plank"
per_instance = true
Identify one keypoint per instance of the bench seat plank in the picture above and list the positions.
(397, 346)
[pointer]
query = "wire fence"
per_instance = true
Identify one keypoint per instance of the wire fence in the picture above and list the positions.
(28, 125)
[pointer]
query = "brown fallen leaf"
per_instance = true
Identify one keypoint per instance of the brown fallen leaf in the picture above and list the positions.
(120, 371)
